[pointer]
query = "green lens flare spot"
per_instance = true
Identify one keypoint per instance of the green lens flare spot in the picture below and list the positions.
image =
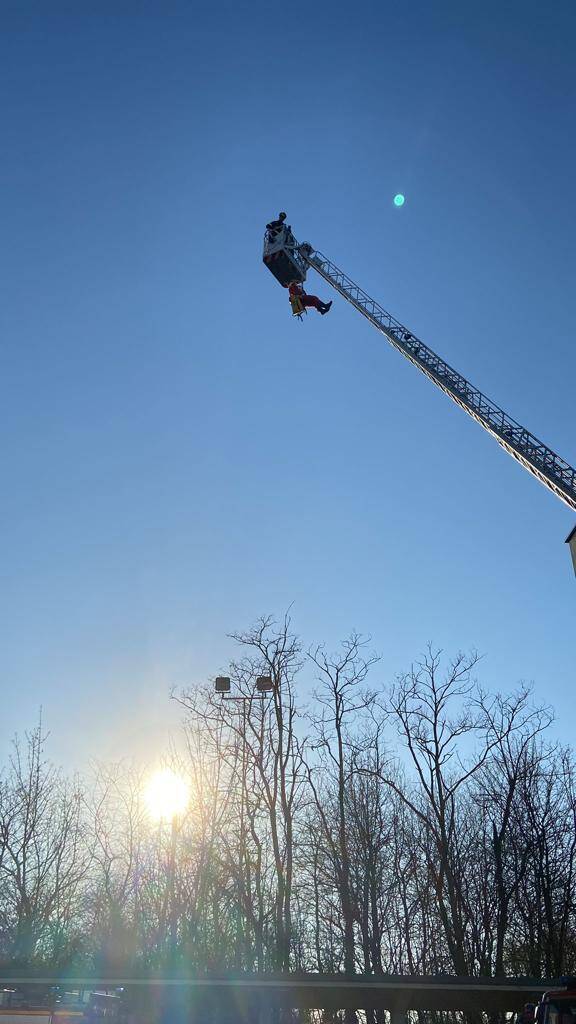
(399, 200)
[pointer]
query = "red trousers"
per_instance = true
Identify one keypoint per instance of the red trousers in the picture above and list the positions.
(311, 300)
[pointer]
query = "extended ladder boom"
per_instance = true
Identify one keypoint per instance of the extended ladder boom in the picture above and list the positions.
(535, 456)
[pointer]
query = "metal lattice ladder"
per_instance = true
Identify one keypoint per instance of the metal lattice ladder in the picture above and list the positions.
(551, 470)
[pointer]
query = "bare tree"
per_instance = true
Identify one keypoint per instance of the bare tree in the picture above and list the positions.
(434, 713)
(340, 745)
(260, 743)
(44, 858)
(506, 845)
(453, 852)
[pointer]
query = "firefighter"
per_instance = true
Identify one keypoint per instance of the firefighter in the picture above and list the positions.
(296, 291)
(276, 226)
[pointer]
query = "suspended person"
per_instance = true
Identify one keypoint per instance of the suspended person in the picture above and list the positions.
(296, 291)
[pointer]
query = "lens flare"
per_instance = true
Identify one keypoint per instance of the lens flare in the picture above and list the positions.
(399, 200)
(166, 795)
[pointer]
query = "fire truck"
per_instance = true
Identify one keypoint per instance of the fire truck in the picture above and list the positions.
(558, 1006)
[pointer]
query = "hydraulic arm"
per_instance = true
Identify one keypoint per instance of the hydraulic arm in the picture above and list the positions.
(535, 456)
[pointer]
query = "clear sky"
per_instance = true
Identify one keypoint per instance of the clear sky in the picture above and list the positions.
(178, 455)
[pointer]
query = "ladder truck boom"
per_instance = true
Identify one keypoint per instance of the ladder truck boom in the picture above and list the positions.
(551, 470)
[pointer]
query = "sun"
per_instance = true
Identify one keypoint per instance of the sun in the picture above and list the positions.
(166, 795)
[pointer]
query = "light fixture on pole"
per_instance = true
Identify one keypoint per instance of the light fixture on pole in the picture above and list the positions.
(264, 687)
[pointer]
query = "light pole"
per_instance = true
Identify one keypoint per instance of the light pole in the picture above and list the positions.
(264, 690)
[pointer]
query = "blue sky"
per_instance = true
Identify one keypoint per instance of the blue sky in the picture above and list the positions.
(179, 456)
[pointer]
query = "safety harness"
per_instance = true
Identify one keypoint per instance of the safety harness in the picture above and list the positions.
(298, 307)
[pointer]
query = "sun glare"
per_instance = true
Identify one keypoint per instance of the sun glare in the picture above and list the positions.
(166, 795)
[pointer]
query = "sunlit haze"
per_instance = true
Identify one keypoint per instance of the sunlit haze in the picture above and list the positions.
(166, 795)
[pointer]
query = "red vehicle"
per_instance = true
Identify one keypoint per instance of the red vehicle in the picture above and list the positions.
(558, 1006)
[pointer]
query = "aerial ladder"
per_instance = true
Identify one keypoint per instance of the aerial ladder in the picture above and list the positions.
(288, 261)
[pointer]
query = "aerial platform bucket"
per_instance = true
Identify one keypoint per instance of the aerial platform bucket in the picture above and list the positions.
(283, 258)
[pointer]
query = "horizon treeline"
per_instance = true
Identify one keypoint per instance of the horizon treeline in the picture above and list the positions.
(426, 827)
